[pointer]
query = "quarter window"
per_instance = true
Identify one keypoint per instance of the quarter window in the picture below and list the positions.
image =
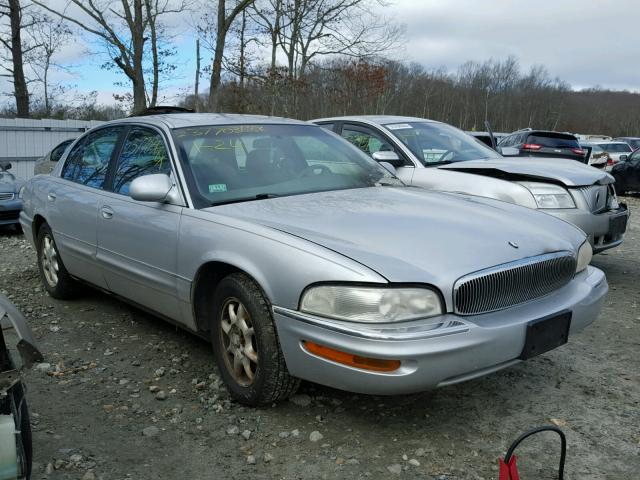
(88, 162)
(143, 153)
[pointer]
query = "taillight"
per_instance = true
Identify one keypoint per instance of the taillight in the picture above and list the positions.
(610, 161)
(531, 146)
(578, 151)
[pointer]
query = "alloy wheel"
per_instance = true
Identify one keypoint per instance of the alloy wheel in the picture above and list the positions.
(239, 342)
(50, 264)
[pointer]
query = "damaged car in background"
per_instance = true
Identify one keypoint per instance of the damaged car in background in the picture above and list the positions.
(435, 155)
(17, 351)
(299, 257)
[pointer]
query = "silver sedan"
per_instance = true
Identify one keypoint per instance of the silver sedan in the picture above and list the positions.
(299, 257)
(435, 155)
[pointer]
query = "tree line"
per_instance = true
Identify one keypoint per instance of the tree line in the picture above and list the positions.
(294, 58)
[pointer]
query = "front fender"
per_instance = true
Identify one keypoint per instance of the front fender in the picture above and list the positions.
(282, 264)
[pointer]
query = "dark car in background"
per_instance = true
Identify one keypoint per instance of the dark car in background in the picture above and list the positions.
(10, 204)
(627, 173)
(634, 142)
(543, 143)
(46, 164)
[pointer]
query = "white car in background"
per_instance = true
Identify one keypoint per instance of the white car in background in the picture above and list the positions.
(614, 150)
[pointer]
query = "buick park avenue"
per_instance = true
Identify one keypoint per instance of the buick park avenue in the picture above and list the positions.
(299, 257)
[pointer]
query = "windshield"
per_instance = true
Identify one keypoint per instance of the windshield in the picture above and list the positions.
(233, 163)
(438, 143)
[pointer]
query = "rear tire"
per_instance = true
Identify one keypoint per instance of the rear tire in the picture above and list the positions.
(246, 345)
(54, 275)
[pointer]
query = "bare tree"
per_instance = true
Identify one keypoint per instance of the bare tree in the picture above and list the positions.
(47, 38)
(315, 28)
(122, 26)
(12, 11)
(214, 34)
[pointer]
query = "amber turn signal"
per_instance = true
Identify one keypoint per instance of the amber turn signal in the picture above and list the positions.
(356, 361)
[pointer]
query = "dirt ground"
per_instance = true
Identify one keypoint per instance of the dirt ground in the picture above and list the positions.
(127, 396)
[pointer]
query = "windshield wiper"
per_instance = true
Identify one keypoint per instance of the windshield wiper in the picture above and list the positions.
(259, 196)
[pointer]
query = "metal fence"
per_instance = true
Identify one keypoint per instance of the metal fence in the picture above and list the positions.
(23, 141)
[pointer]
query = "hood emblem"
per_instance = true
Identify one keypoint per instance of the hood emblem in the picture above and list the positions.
(514, 244)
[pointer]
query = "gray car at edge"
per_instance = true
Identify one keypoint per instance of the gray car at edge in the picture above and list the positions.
(301, 258)
(435, 155)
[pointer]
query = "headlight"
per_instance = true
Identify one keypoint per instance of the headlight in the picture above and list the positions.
(370, 304)
(584, 256)
(548, 195)
(21, 192)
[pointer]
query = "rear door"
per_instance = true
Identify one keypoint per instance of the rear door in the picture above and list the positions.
(137, 241)
(72, 202)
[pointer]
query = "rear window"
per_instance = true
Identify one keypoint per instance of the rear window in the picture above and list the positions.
(554, 140)
(616, 147)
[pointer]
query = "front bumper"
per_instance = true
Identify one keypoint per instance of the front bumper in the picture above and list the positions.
(10, 212)
(433, 352)
(597, 226)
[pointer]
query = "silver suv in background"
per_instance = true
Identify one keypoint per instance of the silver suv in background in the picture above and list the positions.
(435, 155)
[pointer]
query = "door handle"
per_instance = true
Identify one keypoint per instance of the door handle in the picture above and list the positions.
(51, 196)
(106, 212)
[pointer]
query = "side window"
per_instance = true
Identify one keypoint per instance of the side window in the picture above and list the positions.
(143, 153)
(366, 140)
(57, 152)
(88, 162)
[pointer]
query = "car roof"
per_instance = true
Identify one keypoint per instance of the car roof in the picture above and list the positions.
(608, 142)
(181, 120)
(377, 119)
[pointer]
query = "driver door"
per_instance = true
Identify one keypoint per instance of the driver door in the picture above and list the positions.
(370, 141)
(138, 241)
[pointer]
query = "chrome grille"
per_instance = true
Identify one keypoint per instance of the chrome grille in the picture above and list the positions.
(596, 196)
(6, 196)
(512, 283)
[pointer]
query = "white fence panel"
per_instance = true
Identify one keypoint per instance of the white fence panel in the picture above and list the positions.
(23, 141)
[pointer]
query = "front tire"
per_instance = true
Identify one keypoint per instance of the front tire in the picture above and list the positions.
(246, 345)
(54, 275)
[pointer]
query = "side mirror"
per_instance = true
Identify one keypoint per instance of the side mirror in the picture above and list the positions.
(509, 151)
(151, 188)
(624, 158)
(4, 166)
(389, 157)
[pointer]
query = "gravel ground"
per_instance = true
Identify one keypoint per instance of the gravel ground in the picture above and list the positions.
(128, 396)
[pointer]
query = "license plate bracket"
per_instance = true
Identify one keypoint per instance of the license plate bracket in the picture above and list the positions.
(545, 334)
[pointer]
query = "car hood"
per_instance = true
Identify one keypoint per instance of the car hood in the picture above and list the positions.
(8, 183)
(570, 173)
(409, 234)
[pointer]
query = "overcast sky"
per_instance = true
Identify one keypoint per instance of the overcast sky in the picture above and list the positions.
(585, 43)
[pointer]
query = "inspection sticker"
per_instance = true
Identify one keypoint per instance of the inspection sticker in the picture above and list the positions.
(398, 126)
(217, 187)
